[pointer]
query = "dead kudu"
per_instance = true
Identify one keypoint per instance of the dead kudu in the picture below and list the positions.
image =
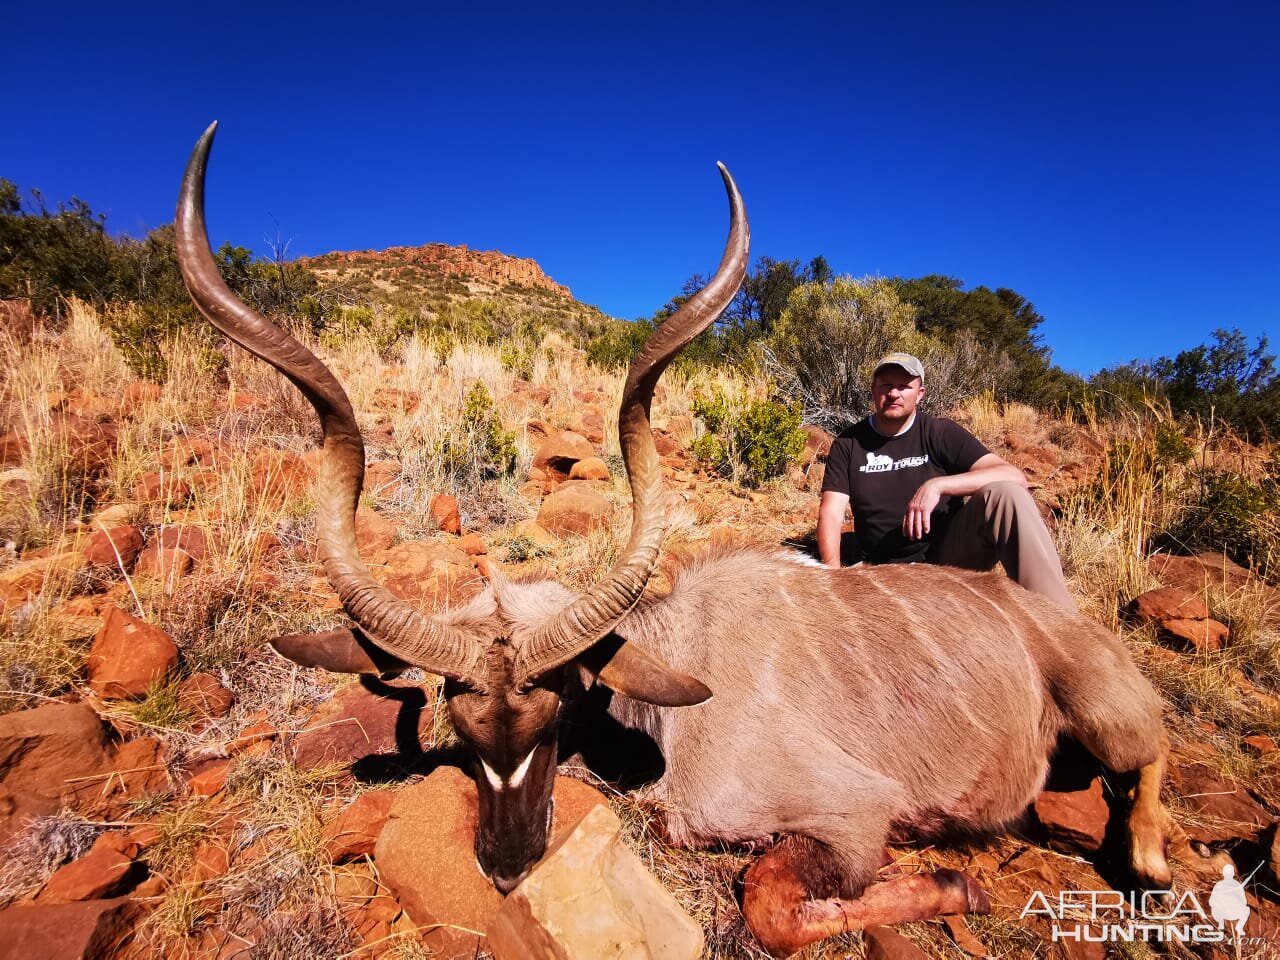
(849, 706)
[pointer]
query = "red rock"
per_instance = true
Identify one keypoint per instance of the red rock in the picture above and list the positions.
(189, 538)
(382, 478)
(1075, 819)
(1168, 603)
(279, 476)
(253, 741)
(444, 511)
(203, 696)
(141, 392)
(48, 757)
(472, 545)
(209, 778)
(107, 870)
(1202, 636)
(165, 564)
(574, 510)
(1260, 744)
(88, 930)
(114, 547)
(1194, 574)
(358, 722)
(885, 943)
(138, 769)
(667, 446)
(559, 452)
(373, 532)
(27, 578)
(591, 468)
(426, 855)
(13, 449)
(1226, 809)
(591, 426)
(210, 861)
(129, 656)
(354, 832)
(817, 444)
(162, 488)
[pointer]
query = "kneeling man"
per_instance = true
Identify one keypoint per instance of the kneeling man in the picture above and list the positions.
(906, 476)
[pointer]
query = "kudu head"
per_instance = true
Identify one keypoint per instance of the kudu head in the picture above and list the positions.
(505, 664)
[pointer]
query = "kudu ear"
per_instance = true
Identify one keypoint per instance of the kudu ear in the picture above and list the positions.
(634, 672)
(341, 651)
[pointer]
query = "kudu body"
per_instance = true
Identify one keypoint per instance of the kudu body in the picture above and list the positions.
(849, 706)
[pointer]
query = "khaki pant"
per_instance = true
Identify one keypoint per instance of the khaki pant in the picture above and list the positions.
(1001, 522)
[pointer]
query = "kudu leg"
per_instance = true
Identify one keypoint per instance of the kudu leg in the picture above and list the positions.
(1149, 825)
(784, 907)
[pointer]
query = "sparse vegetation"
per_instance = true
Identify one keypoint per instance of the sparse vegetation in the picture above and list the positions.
(444, 388)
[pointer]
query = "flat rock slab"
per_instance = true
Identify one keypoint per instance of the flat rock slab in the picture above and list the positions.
(89, 930)
(591, 898)
(426, 855)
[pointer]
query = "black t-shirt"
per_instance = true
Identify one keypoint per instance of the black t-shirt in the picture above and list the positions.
(881, 474)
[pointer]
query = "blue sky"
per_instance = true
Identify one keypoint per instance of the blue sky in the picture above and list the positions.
(1116, 164)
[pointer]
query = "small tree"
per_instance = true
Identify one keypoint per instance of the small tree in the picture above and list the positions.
(826, 344)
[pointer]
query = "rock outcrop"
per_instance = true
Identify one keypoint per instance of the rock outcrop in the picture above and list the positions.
(445, 260)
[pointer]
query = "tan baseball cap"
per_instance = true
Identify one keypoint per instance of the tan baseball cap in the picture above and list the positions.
(904, 360)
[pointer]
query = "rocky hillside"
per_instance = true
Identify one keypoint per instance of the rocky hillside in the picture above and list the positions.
(170, 787)
(430, 278)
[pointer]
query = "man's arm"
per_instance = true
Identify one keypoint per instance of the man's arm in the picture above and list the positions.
(987, 469)
(831, 513)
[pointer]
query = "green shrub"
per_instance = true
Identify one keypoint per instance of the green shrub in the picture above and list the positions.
(480, 449)
(754, 442)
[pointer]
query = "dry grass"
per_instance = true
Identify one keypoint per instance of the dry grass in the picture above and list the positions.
(278, 892)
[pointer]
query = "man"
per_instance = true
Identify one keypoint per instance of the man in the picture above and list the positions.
(905, 474)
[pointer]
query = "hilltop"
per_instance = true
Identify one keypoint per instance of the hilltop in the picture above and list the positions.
(431, 279)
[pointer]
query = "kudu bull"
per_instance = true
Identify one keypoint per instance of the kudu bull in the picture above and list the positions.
(849, 706)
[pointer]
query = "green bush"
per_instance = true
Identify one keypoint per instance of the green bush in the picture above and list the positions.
(754, 442)
(480, 449)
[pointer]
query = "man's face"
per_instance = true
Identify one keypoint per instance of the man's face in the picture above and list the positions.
(895, 394)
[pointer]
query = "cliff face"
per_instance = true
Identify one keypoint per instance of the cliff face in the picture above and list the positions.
(488, 266)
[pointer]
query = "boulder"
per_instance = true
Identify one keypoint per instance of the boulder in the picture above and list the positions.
(444, 511)
(817, 444)
(88, 930)
(114, 547)
(1226, 809)
(162, 488)
(278, 476)
(559, 452)
(382, 478)
(472, 545)
(384, 722)
(572, 509)
(426, 856)
(1167, 603)
(27, 578)
(208, 778)
(48, 756)
(354, 831)
(591, 468)
(137, 770)
(591, 897)
(129, 656)
(1076, 819)
(373, 532)
(107, 870)
(201, 695)
(1201, 636)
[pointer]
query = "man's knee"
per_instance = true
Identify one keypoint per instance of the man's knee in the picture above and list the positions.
(1008, 494)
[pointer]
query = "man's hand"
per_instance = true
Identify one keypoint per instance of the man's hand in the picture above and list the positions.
(915, 525)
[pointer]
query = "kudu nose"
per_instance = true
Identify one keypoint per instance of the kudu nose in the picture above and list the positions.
(506, 884)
